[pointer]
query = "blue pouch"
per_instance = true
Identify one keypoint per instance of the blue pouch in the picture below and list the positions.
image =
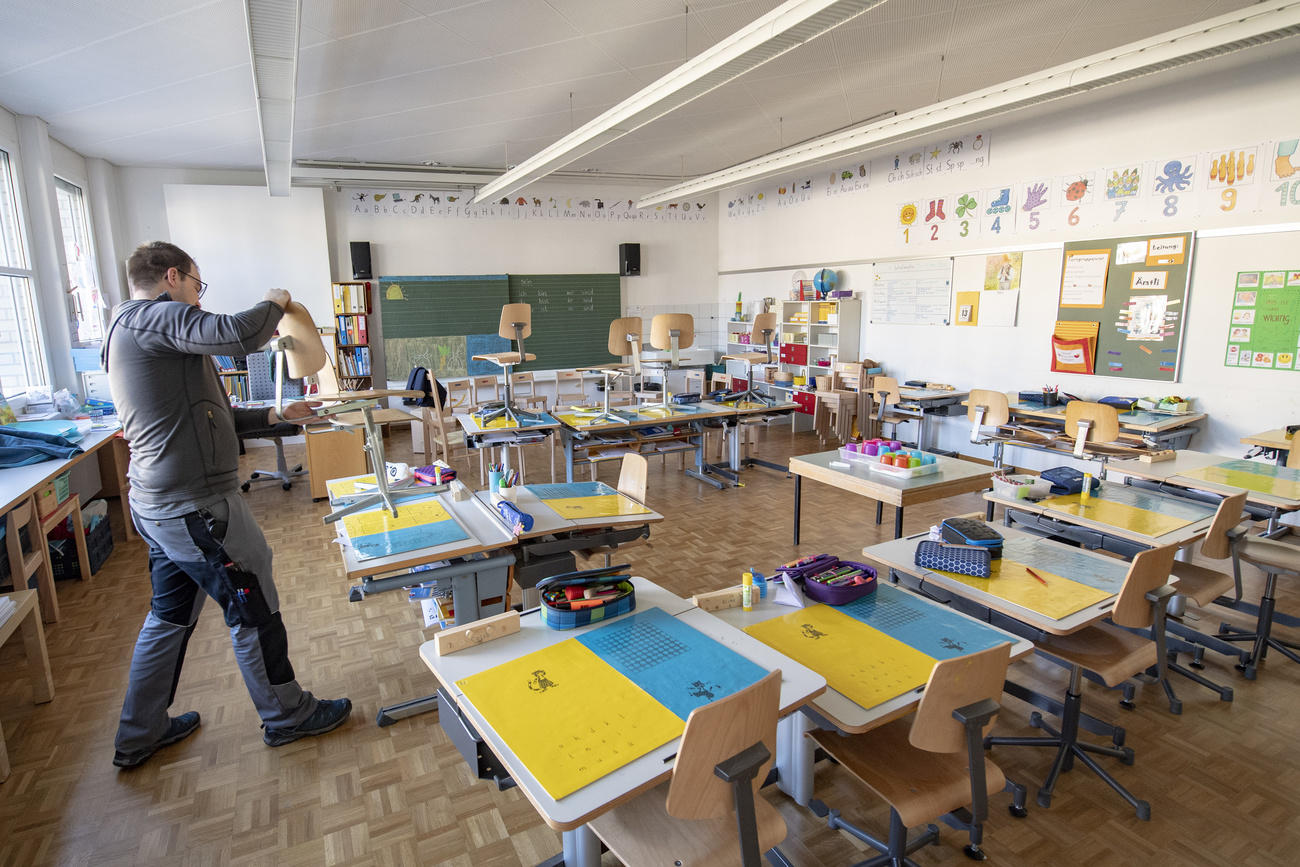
(976, 562)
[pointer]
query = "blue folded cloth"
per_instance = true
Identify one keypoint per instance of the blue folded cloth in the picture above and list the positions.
(19, 447)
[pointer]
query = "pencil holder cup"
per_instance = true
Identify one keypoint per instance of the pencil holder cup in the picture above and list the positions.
(494, 481)
(509, 495)
(1049, 398)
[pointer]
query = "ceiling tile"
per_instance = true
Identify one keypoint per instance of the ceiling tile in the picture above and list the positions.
(498, 26)
(343, 18)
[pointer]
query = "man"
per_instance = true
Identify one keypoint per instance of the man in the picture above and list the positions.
(184, 494)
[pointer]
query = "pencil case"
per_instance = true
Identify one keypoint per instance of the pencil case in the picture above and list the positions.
(811, 565)
(566, 605)
(512, 515)
(838, 584)
(964, 560)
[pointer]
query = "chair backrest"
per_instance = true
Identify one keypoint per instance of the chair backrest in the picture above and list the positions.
(306, 352)
(632, 476)
(956, 683)
(1149, 570)
(885, 390)
(512, 313)
(568, 381)
(662, 326)
(459, 395)
(848, 376)
(695, 381)
(714, 733)
(484, 388)
(525, 381)
(996, 409)
(1216, 545)
(619, 332)
(1104, 418)
(764, 328)
(1293, 456)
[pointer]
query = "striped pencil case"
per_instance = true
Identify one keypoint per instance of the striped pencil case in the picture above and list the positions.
(576, 599)
(962, 559)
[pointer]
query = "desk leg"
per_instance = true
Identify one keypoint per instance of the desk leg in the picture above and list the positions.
(581, 847)
(798, 484)
(898, 522)
(38, 661)
(795, 754)
(733, 446)
(567, 441)
(79, 535)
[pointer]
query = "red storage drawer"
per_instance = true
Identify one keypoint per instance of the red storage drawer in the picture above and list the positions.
(798, 353)
(806, 401)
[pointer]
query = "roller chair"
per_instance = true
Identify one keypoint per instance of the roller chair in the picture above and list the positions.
(710, 812)
(1114, 655)
(986, 408)
(261, 387)
(932, 766)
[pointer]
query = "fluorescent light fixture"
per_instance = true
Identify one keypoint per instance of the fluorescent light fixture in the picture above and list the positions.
(273, 46)
(1214, 37)
(788, 26)
(310, 172)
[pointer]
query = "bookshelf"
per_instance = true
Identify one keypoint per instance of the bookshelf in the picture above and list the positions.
(813, 336)
(233, 371)
(352, 333)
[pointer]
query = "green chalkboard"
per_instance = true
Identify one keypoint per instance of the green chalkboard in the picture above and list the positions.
(571, 316)
(1136, 290)
(438, 322)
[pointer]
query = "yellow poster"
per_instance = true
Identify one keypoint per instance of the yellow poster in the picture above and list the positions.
(600, 506)
(1120, 515)
(1058, 598)
(864, 664)
(569, 717)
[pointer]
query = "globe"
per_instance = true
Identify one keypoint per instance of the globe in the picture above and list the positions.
(824, 281)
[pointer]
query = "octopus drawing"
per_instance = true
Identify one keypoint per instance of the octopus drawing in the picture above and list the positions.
(1177, 177)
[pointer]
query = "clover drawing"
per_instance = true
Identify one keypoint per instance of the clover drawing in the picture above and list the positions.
(966, 205)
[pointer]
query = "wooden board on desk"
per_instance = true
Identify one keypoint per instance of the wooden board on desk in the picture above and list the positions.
(479, 632)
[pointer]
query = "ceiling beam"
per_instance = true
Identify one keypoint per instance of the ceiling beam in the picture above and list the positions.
(273, 27)
(787, 27)
(1258, 25)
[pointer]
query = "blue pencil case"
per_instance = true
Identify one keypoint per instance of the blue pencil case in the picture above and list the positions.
(515, 517)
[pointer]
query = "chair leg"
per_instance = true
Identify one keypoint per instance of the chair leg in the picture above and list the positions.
(895, 851)
(1262, 637)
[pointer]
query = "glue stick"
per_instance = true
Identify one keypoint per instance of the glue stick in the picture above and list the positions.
(747, 592)
(1087, 487)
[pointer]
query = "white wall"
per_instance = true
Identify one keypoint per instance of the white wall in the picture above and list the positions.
(1243, 100)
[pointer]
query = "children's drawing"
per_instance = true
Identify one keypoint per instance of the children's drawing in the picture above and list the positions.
(1000, 202)
(1035, 196)
(936, 211)
(907, 214)
(966, 205)
(1283, 160)
(1123, 183)
(1232, 167)
(1146, 318)
(1176, 177)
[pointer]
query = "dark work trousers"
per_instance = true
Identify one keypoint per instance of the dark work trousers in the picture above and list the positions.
(219, 552)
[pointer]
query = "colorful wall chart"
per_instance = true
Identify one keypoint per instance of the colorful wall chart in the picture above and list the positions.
(1265, 327)
(1134, 291)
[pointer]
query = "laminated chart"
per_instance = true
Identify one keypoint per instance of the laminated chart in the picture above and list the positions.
(587, 500)
(875, 648)
(580, 709)
(419, 524)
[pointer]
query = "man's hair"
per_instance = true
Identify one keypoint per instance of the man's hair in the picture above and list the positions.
(149, 264)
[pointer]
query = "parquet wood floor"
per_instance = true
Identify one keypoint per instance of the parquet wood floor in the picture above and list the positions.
(1223, 779)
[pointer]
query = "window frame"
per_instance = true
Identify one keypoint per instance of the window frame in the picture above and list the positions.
(96, 292)
(37, 373)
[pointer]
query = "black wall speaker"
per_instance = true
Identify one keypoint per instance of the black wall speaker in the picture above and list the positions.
(361, 260)
(629, 259)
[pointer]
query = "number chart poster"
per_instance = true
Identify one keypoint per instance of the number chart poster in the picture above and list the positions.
(1137, 295)
(1265, 327)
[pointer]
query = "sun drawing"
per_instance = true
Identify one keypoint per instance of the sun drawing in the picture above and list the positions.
(907, 215)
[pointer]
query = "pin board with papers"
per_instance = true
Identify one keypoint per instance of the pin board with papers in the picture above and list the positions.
(1131, 293)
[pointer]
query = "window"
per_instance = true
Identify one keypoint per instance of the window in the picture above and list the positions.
(86, 307)
(22, 364)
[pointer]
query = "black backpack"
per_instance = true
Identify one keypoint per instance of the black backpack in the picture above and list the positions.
(419, 381)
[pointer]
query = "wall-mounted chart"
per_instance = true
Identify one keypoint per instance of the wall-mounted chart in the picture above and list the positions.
(1265, 327)
(912, 292)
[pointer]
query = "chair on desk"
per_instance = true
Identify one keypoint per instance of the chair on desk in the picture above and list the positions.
(710, 812)
(932, 766)
(886, 397)
(1114, 655)
(986, 408)
(569, 390)
(525, 388)
(1089, 422)
(632, 473)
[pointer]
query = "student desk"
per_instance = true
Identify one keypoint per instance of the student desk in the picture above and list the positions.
(501, 433)
(918, 622)
(921, 403)
(1271, 490)
(583, 437)
(17, 483)
(1117, 517)
(955, 476)
(26, 615)
(1273, 442)
(741, 414)
(1158, 430)
(569, 814)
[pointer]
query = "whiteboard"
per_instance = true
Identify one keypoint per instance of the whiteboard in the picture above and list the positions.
(912, 292)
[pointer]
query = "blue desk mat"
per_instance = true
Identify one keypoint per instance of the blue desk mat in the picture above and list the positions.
(562, 491)
(929, 628)
(681, 667)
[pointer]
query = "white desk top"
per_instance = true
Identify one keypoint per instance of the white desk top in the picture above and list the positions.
(17, 482)
(1186, 461)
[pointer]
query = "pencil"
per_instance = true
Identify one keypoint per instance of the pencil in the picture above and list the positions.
(1038, 577)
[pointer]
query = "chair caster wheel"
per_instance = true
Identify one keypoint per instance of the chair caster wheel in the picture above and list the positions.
(1128, 757)
(1127, 704)
(286, 485)
(1018, 812)
(255, 476)
(1036, 720)
(975, 853)
(1144, 811)
(1196, 665)
(1044, 799)
(1248, 671)
(1175, 707)
(244, 487)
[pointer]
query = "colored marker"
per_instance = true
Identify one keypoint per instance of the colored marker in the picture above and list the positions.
(1038, 577)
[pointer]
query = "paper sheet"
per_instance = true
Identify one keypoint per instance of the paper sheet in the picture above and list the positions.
(1262, 478)
(1115, 514)
(419, 524)
(861, 662)
(568, 716)
(587, 500)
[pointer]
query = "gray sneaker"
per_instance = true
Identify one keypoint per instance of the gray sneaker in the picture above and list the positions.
(179, 729)
(329, 715)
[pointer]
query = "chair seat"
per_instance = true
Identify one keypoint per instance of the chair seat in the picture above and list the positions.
(1201, 584)
(1112, 653)
(642, 833)
(1269, 553)
(751, 357)
(917, 783)
(504, 358)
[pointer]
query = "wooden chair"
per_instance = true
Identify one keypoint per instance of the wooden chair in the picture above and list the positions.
(24, 564)
(1273, 558)
(695, 382)
(1088, 422)
(525, 389)
(460, 397)
(1114, 655)
(484, 389)
(986, 408)
(885, 395)
(632, 473)
(694, 818)
(933, 765)
(569, 389)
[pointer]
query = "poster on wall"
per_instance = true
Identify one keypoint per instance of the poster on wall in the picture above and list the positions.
(1002, 271)
(912, 292)
(1265, 327)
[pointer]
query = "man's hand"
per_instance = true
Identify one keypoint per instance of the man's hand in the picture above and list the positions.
(278, 297)
(298, 412)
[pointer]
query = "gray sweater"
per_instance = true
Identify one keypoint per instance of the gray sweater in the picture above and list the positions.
(175, 414)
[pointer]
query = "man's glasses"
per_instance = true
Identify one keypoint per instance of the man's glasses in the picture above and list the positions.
(203, 287)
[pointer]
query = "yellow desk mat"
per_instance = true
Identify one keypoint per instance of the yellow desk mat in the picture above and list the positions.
(347, 487)
(860, 662)
(600, 506)
(1011, 581)
(410, 513)
(1263, 480)
(1119, 515)
(569, 717)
